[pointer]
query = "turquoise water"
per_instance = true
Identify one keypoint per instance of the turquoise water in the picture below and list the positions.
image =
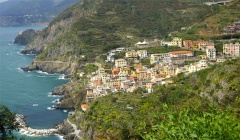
(27, 93)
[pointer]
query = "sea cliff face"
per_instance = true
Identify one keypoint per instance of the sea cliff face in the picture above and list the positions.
(50, 67)
(56, 29)
(25, 37)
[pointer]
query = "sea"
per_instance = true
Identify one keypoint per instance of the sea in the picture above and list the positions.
(28, 93)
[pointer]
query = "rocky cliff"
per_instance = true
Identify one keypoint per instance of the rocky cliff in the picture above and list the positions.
(50, 67)
(25, 37)
(57, 28)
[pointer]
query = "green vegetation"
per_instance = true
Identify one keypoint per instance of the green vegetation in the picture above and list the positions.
(89, 68)
(191, 108)
(7, 123)
(190, 123)
(106, 25)
(215, 22)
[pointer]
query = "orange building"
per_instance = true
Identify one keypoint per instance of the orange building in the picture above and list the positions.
(188, 44)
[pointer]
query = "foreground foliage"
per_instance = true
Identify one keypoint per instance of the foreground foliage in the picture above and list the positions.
(7, 123)
(190, 123)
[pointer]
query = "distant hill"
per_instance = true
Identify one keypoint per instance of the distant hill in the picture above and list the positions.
(28, 12)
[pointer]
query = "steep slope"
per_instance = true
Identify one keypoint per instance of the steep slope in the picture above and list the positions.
(90, 26)
(25, 37)
(213, 26)
(163, 113)
(29, 12)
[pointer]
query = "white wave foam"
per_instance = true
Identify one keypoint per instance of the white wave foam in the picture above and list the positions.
(41, 72)
(62, 76)
(35, 105)
(19, 69)
(56, 101)
(50, 95)
(51, 108)
(60, 137)
(19, 53)
(31, 54)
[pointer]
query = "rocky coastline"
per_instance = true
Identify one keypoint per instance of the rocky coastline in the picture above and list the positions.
(64, 129)
(26, 130)
(50, 67)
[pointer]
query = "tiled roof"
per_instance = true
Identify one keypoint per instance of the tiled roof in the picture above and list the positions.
(85, 106)
(179, 52)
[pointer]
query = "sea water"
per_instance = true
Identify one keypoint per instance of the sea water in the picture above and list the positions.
(27, 93)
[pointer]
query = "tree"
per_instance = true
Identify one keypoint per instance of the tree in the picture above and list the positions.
(7, 123)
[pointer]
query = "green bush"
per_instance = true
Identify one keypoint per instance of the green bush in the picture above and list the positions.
(191, 123)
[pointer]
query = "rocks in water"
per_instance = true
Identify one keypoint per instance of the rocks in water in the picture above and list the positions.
(50, 67)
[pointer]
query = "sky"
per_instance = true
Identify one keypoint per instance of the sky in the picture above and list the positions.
(3, 0)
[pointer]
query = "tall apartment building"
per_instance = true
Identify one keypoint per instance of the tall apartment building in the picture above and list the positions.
(211, 53)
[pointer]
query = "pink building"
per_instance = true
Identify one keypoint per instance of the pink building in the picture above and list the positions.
(231, 49)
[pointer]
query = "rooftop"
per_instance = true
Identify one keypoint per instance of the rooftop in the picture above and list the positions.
(179, 52)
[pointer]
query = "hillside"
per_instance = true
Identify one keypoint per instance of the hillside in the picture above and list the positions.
(30, 12)
(214, 24)
(181, 110)
(90, 26)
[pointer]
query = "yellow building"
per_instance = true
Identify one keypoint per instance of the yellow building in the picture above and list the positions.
(125, 70)
(203, 56)
(177, 42)
(131, 54)
(141, 74)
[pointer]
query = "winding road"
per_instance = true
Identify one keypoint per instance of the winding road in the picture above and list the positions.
(76, 131)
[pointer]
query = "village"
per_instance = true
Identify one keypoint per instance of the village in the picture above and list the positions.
(129, 73)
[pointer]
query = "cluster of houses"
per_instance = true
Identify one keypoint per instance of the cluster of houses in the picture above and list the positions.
(127, 77)
(232, 29)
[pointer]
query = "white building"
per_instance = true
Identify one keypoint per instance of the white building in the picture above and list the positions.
(211, 53)
(120, 50)
(142, 53)
(120, 63)
(110, 59)
(156, 57)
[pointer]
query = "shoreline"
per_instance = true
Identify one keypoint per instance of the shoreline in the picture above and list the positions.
(24, 129)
